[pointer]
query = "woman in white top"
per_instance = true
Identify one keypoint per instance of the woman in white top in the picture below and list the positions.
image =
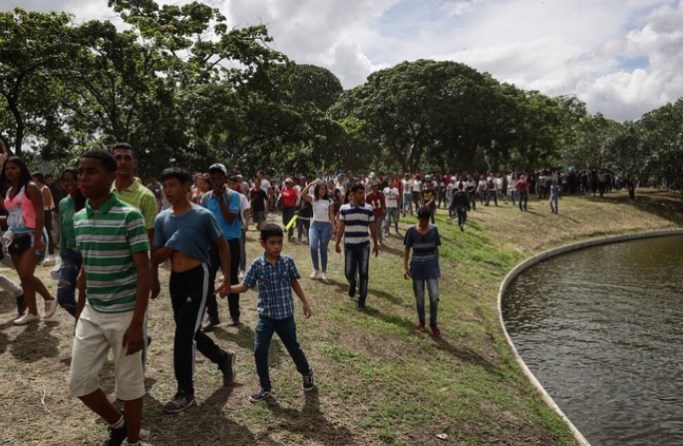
(320, 230)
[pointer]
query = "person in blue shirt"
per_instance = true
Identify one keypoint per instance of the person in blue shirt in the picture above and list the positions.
(275, 276)
(183, 234)
(554, 197)
(424, 241)
(224, 204)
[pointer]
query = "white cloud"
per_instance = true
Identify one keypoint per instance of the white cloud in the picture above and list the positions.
(621, 57)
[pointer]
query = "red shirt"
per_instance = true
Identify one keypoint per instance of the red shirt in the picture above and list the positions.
(376, 199)
(289, 196)
(522, 185)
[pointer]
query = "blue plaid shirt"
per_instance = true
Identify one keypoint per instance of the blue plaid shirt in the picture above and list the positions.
(274, 284)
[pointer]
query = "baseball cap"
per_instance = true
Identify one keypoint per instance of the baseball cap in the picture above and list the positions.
(220, 167)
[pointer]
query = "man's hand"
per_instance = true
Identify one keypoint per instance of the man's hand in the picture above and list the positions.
(156, 286)
(406, 273)
(224, 289)
(133, 339)
(337, 248)
(307, 310)
(375, 249)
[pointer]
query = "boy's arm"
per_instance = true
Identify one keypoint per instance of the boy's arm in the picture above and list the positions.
(406, 256)
(80, 287)
(340, 235)
(299, 292)
(133, 339)
(224, 252)
(237, 289)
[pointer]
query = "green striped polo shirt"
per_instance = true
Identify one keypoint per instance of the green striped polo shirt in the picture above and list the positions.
(107, 239)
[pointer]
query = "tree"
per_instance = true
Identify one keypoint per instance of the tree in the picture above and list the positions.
(33, 46)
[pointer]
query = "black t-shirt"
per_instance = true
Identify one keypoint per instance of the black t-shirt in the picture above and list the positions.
(257, 198)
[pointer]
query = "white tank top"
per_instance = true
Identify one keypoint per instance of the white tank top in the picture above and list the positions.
(321, 210)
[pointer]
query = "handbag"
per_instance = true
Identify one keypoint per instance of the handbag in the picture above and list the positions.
(19, 243)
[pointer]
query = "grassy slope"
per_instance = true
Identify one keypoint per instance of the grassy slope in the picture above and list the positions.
(380, 381)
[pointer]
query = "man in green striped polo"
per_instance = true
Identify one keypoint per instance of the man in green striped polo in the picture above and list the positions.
(112, 239)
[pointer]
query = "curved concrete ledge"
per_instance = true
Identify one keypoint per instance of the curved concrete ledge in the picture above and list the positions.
(544, 256)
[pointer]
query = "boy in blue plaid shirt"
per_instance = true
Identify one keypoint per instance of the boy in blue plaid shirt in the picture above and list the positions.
(275, 276)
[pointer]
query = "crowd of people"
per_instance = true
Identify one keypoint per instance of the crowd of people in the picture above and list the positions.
(113, 233)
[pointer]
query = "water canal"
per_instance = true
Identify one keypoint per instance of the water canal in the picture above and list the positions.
(602, 330)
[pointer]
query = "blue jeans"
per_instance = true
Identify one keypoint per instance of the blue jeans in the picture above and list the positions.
(523, 199)
(491, 194)
(318, 238)
(392, 214)
(357, 261)
(407, 203)
(66, 289)
(419, 291)
(462, 215)
(286, 330)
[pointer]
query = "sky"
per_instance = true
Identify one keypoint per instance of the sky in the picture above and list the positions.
(622, 58)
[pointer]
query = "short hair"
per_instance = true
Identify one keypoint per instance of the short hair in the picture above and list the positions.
(271, 230)
(105, 158)
(179, 174)
(357, 187)
(424, 213)
(123, 146)
(233, 179)
(39, 175)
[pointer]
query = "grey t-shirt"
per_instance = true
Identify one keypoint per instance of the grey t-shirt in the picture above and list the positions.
(190, 233)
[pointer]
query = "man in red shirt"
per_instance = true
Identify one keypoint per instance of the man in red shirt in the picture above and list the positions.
(523, 192)
(376, 199)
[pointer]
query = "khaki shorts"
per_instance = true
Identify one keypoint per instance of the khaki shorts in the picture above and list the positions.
(97, 334)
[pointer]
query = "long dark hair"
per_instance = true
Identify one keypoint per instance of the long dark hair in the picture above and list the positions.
(79, 199)
(24, 179)
(316, 189)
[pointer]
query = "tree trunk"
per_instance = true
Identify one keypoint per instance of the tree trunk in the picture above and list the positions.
(631, 190)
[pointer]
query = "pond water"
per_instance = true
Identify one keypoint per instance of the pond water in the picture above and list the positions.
(602, 330)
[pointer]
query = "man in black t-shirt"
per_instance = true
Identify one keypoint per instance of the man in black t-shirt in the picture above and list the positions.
(259, 204)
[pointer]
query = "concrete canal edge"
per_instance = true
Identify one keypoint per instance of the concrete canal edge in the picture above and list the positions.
(540, 257)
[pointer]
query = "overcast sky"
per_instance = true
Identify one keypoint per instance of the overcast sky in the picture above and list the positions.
(622, 57)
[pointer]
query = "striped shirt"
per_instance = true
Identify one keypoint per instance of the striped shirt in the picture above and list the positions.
(356, 220)
(108, 238)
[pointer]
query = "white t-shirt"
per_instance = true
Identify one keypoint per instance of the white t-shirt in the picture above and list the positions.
(417, 186)
(321, 210)
(391, 197)
(265, 185)
(244, 206)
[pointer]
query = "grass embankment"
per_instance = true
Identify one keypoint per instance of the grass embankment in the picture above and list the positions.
(379, 380)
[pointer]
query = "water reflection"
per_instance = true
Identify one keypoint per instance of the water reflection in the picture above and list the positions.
(602, 330)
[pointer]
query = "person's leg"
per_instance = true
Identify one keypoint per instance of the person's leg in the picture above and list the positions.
(214, 265)
(66, 288)
(243, 251)
(48, 228)
(185, 305)
(419, 292)
(234, 298)
(433, 288)
(396, 220)
(379, 221)
(286, 330)
(350, 267)
(16, 291)
(488, 197)
(325, 234)
(459, 211)
(25, 264)
(495, 197)
(262, 336)
(363, 273)
(314, 240)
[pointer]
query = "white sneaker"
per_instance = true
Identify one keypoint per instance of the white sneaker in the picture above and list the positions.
(323, 276)
(26, 319)
(50, 307)
(315, 274)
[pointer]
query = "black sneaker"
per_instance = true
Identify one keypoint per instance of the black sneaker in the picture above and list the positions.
(260, 396)
(116, 436)
(234, 322)
(180, 402)
(227, 368)
(309, 381)
(210, 324)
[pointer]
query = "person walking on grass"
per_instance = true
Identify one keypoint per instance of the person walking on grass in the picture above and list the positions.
(26, 237)
(275, 276)
(225, 205)
(71, 258)
(523, 192)
(111, 237)
(424, 240)
(554, 197)
(391, 197)
(355, 220)
(460, 203)
(183, 234)
(321, 226)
